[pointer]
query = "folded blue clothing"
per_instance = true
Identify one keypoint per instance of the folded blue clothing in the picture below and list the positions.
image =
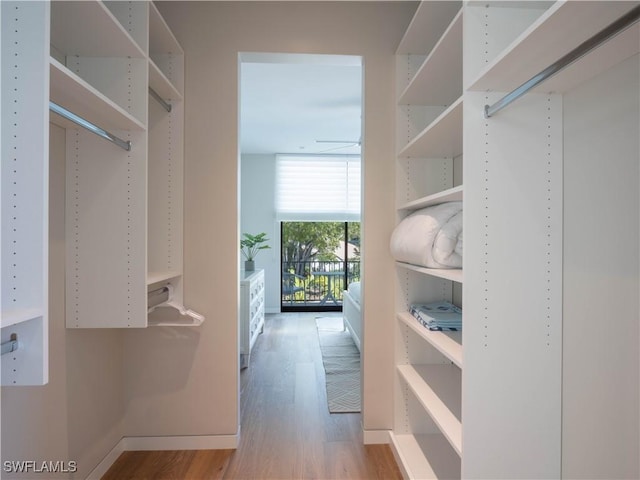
(439, 328)
(438, 316)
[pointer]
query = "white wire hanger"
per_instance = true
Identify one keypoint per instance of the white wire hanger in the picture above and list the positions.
(168, 290)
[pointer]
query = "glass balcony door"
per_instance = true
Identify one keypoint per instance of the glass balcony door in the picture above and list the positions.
(319, 260)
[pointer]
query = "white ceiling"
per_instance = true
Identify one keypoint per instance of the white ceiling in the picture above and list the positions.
(288, 102)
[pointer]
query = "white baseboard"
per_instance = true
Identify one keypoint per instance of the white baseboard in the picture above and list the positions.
(102, 468)
(375, 437)
(187, 442)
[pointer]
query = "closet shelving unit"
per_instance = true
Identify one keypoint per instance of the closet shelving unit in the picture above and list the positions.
(514, 179)
(513, 163)
(558, 28)
(99, 68)
(427, 434)
(25, 191)
(118, 66)
(93, 79)
(166, 58)
(166, 79)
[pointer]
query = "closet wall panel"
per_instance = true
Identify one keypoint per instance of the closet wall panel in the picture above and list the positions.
(24, 192)
(601, 268)
(515, 177)
(106, 248)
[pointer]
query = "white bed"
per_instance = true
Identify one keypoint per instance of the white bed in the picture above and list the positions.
(352, 313)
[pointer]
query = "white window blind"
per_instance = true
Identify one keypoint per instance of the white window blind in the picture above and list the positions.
(318, 188)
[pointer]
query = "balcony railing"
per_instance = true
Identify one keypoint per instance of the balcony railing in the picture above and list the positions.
(317, 283)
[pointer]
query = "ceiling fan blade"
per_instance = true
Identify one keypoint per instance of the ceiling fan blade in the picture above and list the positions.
(355, 142)
(340, 147)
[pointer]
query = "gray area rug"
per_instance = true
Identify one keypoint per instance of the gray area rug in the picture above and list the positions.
(341, 360)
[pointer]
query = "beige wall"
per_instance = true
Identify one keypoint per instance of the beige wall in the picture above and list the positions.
(185, 383)
(78, 414)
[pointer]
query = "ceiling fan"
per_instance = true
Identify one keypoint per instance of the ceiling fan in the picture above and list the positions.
(342, 144)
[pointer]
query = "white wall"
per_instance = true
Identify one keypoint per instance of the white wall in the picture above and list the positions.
(257, 203)
(78, 414)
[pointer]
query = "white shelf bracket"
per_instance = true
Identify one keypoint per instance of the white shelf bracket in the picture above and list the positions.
(11, 346)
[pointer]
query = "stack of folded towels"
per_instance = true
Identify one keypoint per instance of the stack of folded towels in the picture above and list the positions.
(438, 316)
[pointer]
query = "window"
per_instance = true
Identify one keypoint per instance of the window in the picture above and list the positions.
(318, 188)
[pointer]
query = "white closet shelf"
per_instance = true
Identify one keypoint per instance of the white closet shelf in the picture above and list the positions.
(425, 456)
(447, 343)
(71, 92)
(89, 29)
(161, 39)
(427, 26)
(161, 84)
(451, 195)
(439, 79)
(441, 139)
(453, 274)
(559, 30)
(438, 388)
(157, 277)
(19, 315)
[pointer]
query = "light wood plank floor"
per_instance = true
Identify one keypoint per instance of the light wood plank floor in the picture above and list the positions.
(286, 429)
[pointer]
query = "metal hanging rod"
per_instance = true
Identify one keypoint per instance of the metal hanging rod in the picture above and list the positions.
(63, 112)
(159, 296)
(158, 291)
(11, 346)
(581, 50)
(165, 105)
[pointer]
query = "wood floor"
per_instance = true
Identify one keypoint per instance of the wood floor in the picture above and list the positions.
(287, 431)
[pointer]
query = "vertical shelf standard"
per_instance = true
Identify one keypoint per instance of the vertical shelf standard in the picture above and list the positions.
(25, 191)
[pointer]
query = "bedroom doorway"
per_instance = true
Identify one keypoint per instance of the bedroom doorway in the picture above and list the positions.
(300, 166)
(304, 110)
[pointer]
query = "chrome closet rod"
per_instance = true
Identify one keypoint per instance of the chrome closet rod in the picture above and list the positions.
(157, 297)
(158, 291)
(585, 47)
(63, 112)
(165, 105)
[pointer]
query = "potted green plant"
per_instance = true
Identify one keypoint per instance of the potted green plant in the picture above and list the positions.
(250, 245)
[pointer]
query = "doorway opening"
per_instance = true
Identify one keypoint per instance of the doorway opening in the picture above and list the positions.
(305, 111)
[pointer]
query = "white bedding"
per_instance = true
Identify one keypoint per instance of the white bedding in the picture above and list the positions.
(352, 312)
(430, 237)
(354, 291)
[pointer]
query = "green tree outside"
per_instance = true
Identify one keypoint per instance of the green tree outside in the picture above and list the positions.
(314, 241)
